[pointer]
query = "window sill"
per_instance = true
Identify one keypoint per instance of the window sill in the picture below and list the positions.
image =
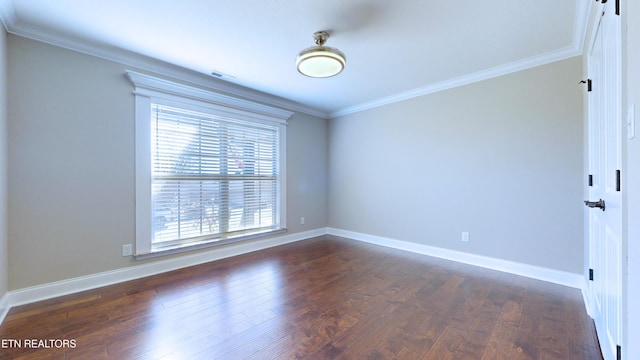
(207, 244)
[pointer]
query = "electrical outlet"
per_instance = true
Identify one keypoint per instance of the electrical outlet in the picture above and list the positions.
(465, 236)
(302, 220)
(127, 250)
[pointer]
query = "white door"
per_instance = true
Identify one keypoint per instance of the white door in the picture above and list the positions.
(605, 213)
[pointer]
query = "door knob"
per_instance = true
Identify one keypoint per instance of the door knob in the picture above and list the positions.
(595, 204)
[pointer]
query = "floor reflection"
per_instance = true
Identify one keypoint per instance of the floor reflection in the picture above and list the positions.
(209, 312)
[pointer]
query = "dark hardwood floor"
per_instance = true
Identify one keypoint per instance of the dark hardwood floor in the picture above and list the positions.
(324, 298)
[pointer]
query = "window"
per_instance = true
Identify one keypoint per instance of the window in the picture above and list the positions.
(209, 168)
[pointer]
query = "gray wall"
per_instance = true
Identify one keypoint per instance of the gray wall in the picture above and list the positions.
(501, 159)
(307, 166)
(71, 165)
(4, 257)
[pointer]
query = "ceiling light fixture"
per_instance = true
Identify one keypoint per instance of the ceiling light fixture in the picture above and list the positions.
(320, 61)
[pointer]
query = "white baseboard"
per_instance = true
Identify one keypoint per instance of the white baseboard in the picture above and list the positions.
(4, 307)
(74, 285)
(530, 271)
(587, 298)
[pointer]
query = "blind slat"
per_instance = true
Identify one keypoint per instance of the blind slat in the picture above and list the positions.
(211, 176)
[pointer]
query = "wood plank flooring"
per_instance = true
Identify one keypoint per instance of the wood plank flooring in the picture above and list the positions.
(324, 298)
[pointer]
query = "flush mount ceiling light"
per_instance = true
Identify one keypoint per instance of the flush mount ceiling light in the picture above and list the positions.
(320, 61)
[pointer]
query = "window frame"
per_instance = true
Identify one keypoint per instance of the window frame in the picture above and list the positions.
(150, 90)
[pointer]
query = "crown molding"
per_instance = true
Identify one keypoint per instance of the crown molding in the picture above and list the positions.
(7, 14)
(581, 22)
(463, 80)
(131, 59)
(145, 63)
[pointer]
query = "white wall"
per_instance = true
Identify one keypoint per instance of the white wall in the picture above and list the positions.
(4, 257)
(631, 83)
(71, 165)
(501, 159)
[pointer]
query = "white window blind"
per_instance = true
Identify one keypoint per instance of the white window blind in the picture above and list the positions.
(211, 178)
(210, 168)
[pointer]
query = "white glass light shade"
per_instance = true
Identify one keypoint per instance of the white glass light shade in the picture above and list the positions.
(320, 62)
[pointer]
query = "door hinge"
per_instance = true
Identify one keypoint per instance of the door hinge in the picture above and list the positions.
(617, 180)
(590, 180)
(617, 6)
(588, 82)
(619, 352)
(591, 274)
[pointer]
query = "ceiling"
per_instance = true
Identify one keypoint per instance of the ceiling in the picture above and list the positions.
(395, 49)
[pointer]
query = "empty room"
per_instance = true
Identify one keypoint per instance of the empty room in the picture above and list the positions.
(319, 180)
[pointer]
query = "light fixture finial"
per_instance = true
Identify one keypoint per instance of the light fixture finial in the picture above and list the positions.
(320, 37)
